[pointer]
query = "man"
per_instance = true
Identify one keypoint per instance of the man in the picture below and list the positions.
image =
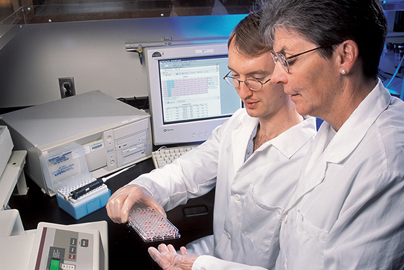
(253, 160)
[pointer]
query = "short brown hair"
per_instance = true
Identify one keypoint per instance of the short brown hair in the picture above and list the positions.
(247, 37)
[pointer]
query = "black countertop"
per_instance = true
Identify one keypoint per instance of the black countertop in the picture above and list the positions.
(126, 249)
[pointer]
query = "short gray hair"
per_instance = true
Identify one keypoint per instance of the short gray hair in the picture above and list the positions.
(330, 22)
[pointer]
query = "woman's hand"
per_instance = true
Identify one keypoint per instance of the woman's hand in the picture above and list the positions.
(169, 259)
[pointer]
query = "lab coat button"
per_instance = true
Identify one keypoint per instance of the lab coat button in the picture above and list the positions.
(237, 197)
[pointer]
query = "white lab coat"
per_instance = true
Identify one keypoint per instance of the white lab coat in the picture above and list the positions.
(250, 196)
(347, 212)
(348, 209)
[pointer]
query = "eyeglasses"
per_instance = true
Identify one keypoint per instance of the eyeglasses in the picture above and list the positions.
(284, 60)
(252, 84)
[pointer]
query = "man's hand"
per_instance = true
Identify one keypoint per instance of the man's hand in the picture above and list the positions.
(169, 259)
(123, 199)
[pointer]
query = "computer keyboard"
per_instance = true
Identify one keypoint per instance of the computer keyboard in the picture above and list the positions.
(166, 155)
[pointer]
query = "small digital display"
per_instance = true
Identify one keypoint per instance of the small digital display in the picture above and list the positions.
(54, 264)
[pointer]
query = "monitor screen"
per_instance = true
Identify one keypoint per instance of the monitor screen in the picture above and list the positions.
(191, 89)
(188, 96)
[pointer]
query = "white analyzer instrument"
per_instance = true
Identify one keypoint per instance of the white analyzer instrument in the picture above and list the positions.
(60, 247)
(6, 147)
(52, 246)
(114, 135)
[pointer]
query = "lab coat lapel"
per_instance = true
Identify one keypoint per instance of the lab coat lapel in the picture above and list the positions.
(314, 166)
(240, 140)
(343, 143)
(358, 124)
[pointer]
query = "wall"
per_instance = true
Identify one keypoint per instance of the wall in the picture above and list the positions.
(93, 53)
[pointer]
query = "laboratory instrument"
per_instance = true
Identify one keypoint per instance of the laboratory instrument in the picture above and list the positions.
(114, 135)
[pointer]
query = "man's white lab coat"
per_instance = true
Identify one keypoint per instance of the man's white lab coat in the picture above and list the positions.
(250, 196)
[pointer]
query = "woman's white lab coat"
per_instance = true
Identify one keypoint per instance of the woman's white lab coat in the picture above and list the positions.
(250, 196)
(347, 212)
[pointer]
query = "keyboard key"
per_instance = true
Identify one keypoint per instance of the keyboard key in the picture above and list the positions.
(165, 156)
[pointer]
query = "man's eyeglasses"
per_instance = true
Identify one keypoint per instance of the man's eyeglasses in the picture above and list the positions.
(284, 60)
(252, 84)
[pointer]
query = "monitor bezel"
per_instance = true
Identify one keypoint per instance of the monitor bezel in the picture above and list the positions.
(186, 132)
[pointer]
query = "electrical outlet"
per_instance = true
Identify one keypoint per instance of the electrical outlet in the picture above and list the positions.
(66, 86)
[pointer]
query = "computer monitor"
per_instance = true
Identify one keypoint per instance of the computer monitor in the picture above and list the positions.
(187, 94)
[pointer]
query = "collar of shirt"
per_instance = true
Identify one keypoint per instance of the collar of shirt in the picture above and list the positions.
(355, 128)
(290, 141)
(250, 146)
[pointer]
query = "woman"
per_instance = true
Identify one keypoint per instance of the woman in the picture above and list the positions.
(346, 212)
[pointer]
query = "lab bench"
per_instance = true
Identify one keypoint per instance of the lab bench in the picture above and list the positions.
(126, 250)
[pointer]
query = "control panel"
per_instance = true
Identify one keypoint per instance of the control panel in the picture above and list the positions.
(60, 247)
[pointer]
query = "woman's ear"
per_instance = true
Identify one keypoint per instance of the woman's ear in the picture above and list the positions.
(348, 55)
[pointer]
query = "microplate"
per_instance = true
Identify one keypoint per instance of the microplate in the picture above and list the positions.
(151, 225)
